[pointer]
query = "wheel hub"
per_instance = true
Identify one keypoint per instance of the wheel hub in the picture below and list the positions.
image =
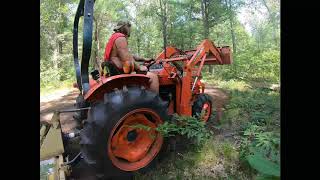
(134, 141)
(206, 110)
(132, 135)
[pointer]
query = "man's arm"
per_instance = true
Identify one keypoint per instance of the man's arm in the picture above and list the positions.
(141, 59)
(123, 52)
(137, 58)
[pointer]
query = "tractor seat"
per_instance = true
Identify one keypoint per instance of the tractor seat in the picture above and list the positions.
(113, 70)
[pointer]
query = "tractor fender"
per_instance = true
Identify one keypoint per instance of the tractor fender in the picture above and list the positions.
(108, 84)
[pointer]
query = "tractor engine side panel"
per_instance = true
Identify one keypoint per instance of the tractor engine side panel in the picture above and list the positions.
(165, 73)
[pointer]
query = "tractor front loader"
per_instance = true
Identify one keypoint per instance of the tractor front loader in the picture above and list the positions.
(111, 107)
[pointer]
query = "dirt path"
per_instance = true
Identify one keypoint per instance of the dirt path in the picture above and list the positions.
(65, 99)
(220, 98)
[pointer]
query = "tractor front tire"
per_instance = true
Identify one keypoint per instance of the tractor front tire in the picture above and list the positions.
(110, 143)
(204, 103)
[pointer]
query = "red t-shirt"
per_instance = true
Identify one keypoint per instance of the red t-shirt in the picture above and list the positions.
(110, 43)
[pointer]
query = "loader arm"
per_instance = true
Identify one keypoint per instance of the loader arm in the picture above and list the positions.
(193, 61)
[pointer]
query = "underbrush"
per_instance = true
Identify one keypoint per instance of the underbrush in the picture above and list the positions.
(51, 87)
(55, 79)
(252, 152)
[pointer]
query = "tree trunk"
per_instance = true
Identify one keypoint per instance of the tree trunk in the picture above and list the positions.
(234, 47)
(272, 19)
(137, 5)
(259, 39)
(190, 27)
(204, 13)
(98, 39)
(60, 47)
(163, 7)
(138, 45)
(138, 37)
(182, 43)
(95, 56)
(55, 58)
(164, 34)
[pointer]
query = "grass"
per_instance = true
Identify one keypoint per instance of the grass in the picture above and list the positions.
(215, 159)
(44, 170)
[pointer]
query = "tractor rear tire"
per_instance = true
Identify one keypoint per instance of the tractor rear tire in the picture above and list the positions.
(104, 119)
(79, 116)
(201, 101)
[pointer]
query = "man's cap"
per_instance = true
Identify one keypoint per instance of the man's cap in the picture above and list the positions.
(120, 24)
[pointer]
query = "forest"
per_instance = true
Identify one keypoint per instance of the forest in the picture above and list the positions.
(245, 144)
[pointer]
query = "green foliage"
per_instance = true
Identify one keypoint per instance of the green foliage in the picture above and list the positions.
(264, 166)
(253, 66)
(266, 140)
(191, 127)
(254, 111)
(228, 150)
(44, 169)
(261, 150)
(257, 56)
(257, 106)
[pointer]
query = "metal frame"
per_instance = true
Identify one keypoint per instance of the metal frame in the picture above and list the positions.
(85, 9)
(51, 145)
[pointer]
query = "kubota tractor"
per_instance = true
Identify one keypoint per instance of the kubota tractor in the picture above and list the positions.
(111, 104)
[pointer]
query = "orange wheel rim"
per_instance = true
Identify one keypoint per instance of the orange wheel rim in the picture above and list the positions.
(206, 108)
(132, 146)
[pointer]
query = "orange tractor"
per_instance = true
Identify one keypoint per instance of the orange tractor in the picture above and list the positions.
(112, 104)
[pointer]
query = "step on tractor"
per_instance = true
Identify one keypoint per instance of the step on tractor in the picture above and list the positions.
(110, 105)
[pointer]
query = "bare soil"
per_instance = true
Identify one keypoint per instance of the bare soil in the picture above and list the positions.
(58, 101)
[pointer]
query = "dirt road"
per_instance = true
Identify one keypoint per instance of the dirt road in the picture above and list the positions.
(65, 99)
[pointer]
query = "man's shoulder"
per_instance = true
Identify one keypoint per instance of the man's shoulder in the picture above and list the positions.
(121, 41)
(122, 38)
(118, 34)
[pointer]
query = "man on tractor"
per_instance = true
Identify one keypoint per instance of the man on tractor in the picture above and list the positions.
(117, 53)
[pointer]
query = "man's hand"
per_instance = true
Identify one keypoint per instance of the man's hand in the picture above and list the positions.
(143, 68)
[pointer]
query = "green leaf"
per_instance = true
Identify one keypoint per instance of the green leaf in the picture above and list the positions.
(266, 177)
(263, 165)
